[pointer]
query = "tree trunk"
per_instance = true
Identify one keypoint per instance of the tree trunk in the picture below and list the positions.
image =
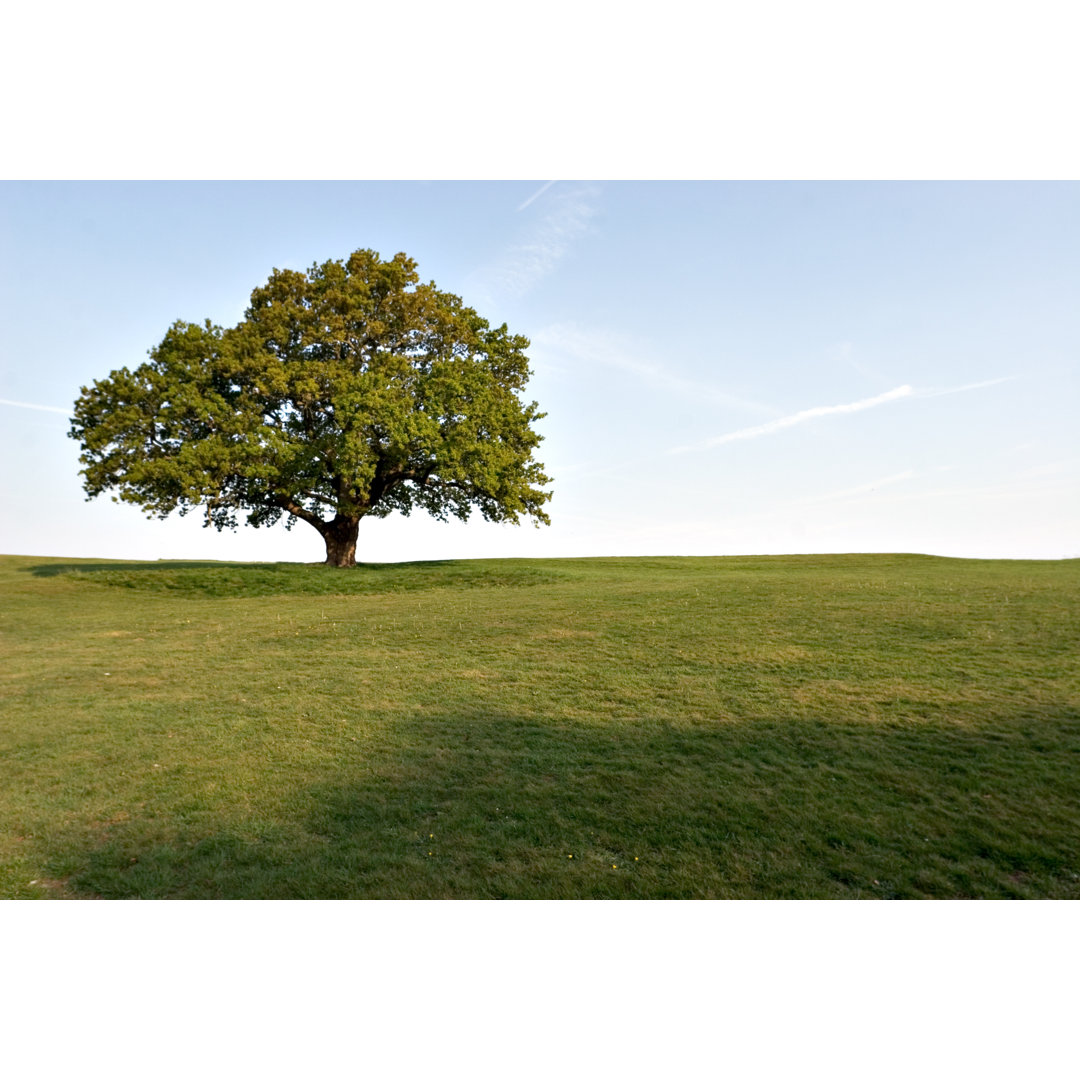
(340, 537)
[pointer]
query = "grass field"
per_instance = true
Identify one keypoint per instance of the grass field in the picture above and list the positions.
(806, 726)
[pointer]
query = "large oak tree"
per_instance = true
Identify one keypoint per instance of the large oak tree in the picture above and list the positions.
(345, 391)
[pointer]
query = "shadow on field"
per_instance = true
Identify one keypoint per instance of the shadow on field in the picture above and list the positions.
(475, 807)
(231, 580)
(48, 570)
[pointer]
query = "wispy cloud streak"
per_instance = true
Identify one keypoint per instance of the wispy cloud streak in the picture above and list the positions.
(40, 408)
(601, 347)
(536, 195)
(802, 417)
(544, 244)
(967, 386)
(861, 489)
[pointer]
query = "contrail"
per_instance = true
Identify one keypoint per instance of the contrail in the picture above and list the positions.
(535, 195)
(967, 386)
(41, 408)
(797, 418)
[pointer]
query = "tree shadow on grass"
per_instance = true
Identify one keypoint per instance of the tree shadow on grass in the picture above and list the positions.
(48, 570)
(231, 580)
(488, 807)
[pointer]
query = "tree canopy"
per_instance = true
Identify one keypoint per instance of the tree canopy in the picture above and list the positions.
(345, 391)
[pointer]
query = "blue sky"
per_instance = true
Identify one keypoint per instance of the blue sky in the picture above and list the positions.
(728, 368)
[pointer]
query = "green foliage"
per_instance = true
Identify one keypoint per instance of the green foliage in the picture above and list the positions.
(346, 391)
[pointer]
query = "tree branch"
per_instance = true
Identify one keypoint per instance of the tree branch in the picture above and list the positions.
(298, 511)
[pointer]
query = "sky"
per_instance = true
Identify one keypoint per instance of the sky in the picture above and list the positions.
(727, 367)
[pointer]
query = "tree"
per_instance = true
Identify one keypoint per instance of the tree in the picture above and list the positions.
(344, 392)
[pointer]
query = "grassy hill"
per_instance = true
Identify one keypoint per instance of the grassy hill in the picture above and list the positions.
(802, 726)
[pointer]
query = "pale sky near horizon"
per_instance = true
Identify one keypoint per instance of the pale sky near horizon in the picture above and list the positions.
(728, 368)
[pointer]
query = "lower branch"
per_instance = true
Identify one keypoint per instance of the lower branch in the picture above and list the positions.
(298, 511)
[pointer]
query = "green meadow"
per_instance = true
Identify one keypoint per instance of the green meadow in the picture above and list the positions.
(844, 726)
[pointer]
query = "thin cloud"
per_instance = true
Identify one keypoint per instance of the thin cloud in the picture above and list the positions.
(1019, 488)
(861, 489)
(536, 195)
(967, 386)
(1049, 468)
(40, 408)
(614, 351)
(843, 352)
(544, 244)
(798, 418)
